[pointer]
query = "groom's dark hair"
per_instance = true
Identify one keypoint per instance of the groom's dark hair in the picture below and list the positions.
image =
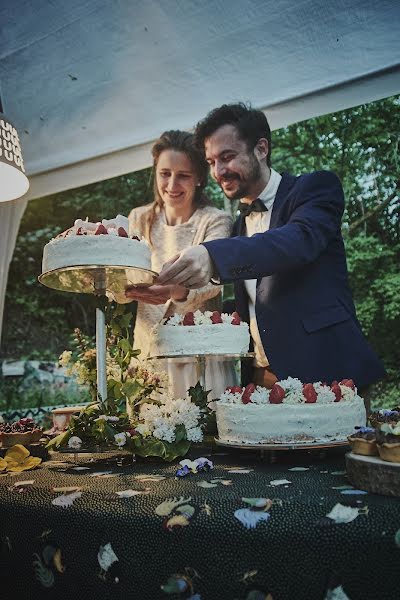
(251, 125)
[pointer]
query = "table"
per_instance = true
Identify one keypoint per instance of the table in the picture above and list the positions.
(48, 551)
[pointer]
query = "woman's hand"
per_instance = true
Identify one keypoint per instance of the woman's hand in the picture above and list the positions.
(157, 294)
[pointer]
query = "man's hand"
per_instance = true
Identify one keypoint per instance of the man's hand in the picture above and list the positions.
(191, 268)
(156, 294)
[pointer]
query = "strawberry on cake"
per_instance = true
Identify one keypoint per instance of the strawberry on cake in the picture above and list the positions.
(103, 244)
(291, 412)
(200, 333)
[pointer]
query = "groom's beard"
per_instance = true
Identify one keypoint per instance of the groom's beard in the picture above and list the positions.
(245, 182)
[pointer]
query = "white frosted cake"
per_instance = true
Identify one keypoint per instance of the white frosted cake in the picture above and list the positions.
(200, 333)
(289, 413)
(105, 243)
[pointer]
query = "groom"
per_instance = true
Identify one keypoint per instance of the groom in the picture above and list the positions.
(286, 258)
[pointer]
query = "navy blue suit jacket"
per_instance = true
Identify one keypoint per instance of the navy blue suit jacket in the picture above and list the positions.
(304, 306)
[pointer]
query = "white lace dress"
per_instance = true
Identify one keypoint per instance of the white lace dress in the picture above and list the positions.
(207, 223)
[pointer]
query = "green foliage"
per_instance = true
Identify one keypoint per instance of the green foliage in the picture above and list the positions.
(360, 144)
(152, 447)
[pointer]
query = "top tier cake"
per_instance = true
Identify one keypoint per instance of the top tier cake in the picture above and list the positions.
(200, 333)
(104, 244)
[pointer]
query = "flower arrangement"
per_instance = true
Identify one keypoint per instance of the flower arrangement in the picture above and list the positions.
(155, 426)
(291, 391)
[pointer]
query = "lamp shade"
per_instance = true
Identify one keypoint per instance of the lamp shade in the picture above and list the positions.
(13, 181)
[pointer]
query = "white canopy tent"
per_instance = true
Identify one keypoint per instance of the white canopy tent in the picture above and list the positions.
(89, 85)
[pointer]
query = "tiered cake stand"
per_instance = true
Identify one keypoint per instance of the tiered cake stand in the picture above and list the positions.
(109, 281)
(200, 361)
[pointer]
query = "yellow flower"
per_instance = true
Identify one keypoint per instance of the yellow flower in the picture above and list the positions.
(19, 459)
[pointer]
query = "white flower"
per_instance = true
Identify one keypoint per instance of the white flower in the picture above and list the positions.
(324, 393)
(161, 420)
(228, 397)
(65, 358)
(143, 430)
(202, 318)
(260, 395)
(195, 434)
(226, 318)
(291, 384)
(120, 439)
(74, 442)
(175, 319)
(347, 393)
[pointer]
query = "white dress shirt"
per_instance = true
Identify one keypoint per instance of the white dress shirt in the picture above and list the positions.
(258, 222)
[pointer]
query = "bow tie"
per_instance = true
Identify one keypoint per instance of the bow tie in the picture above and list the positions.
(256, 206)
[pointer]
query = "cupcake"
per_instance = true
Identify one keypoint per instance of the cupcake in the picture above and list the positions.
(24, 431)
(388, 440)
(363, 441)
(384, 415)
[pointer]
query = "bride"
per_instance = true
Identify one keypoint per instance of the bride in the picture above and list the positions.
(180, 216)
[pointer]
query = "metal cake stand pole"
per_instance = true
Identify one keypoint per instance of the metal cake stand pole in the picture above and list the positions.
(104, 280)
(101, 350)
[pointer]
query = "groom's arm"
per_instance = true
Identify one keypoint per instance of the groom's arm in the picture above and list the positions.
(315, 220)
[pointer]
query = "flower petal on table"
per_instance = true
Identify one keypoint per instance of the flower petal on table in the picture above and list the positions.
(264, 503)
(299, 469)
(29, 463)
(16, 454)
(186, 510)
(238, 470)
(150, 477)
(24, 483)
(176, 521)
(276, 482)
(130, 493)
(66, 500)
(343, 514)
(250, 518)
(206, 484)
(165, 508)
(337, 593)
(106, 556)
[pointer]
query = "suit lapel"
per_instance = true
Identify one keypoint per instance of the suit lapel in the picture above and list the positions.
(287, 182)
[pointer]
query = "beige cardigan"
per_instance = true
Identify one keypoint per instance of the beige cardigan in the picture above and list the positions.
(207, 223)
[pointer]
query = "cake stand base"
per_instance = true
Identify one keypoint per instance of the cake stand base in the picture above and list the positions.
(373, 474)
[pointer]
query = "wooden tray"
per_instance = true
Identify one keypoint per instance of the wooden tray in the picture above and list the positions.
(372, 474)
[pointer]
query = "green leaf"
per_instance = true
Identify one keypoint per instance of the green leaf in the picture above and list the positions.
(60, 440)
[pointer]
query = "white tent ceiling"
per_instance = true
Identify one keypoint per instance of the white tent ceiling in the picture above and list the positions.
(90, 83)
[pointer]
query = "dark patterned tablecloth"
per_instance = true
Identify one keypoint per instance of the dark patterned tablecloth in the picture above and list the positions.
(247, 530)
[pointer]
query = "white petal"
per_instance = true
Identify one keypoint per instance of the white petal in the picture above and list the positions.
(343, 514)
(250, 518)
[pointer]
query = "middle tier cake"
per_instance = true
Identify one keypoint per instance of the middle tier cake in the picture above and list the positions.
(200, 333)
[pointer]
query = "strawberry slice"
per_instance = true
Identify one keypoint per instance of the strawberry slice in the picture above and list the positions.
(216, 317)
(348, 383)
(248, 390)
(236, 320)
(79, 231)
(276, 394)
(188, 319)
(101, 230)
(234, 389)
(122, 232)
(309, 393)
(337, 391)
